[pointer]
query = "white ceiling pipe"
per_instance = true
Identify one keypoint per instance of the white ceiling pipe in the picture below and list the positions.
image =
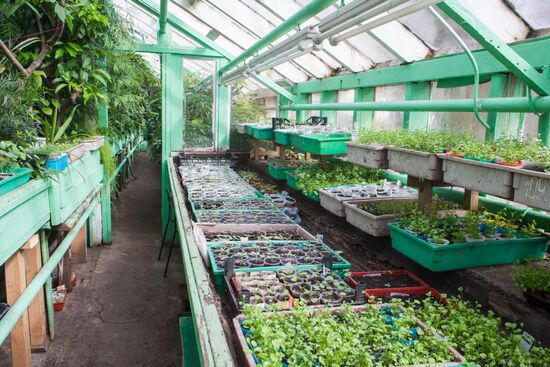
(306, 33)
(346, 12)
(385, 6)
(303, 48)
(384, 19)
(237, 71)
(235, 78)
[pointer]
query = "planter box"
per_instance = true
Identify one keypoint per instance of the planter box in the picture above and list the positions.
(324, 144)
(371, 156)
(262, 132)
(72, 186)
(95, 142)
(22, 213)
(335, 204)
(489, 178)
(243, 216)
(375, 225)
(291, 181)
(279, 172)
(466, 255)
(417, 164)
(77, 152)
(313, 196)
(340, 265)
(532, 188)
(294, 139)
(57, 164)
(249, 130)
(281, 137)
(251, 361)
(233, 204)
(20, 176)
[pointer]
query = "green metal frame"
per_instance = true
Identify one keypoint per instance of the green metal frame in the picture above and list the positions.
(187, 52)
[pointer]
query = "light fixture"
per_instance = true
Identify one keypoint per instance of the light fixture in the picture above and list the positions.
(383, 5)
(422, 4)
(304, 47)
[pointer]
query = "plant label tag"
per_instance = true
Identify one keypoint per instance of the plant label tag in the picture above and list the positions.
(319, 238)
(398, 294)
(284, 193)
(526, 342)
(373, 275)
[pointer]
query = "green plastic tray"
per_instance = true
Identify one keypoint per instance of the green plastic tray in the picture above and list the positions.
(291, 181)
(262, 198)
(294, 140)
(249, 130)
(340, 266)
(262, 132)
(282, 137)
(314, 196)
(324, 144)
(279, 173)
(20, 177)
(466, 255)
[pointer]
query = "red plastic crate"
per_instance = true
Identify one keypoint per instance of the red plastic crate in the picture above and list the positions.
(420, 283)
(379, 293)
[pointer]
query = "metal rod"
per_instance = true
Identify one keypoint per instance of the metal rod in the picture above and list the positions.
(346, 13)
(507, 104)
(305, 13)
(8, 322)
(303, 48)
(384, 19)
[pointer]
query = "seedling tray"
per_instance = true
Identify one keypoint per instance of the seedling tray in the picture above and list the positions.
(368, 155)
(233, 204)
(291, 181)
(294, 139)
(375, 225)
(334, 202)
(489, 178)
(466, 255)
(208, 233)
(252, 361)
(340, 265)
(19, 177)
(278, 170)
(417, 164)
(242, 217)
(262, 132)
(324, 144)
(241, 128)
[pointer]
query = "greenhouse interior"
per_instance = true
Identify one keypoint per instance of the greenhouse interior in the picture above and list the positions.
(274, 183)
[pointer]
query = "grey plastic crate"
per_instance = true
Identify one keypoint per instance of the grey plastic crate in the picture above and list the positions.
(489, 178)
(532, 188)
(418, 164)
(375, 225)
(371, 155)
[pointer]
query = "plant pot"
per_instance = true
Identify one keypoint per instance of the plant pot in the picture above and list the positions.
(272, 261)
(441, 242)
(256, 262)
(311, 298)
(57, 163)
(300, 288)
(469, 239)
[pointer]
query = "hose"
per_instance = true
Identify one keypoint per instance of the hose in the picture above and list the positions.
(474, 64)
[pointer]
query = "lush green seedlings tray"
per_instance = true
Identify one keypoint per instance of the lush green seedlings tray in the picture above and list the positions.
(466, 255)
(278, 168)
(224, 233)
(261, 132)
(233, 204)
(12, 178)
(367, 336)
(241, 128)
(282, 137)
(534, 280)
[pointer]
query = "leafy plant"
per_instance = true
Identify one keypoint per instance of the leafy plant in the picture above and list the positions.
(532, 277)
(389, 207)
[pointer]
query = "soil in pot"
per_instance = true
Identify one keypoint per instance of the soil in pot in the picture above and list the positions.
(256, 262)
(305, 260)
(331, 298)
(311, 298)
(272, 261)
(300, 288)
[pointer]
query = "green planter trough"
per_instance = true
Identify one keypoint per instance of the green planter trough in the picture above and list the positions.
(18, 177)
(466, 255)
(324, 144)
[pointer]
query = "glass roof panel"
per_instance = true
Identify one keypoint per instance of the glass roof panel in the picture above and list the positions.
(535, 12)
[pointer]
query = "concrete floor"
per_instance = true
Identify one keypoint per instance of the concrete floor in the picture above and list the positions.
(122, 312)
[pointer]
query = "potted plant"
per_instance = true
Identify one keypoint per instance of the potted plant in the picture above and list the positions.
(534, 280)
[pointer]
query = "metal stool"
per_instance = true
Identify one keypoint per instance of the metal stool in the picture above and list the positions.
(171, 220)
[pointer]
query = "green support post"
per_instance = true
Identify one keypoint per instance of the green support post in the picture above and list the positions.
(544, 119)
(103, 126)
(497, 89)
(189, 346)
(364, 119)
(303, 98)
(329, 97)
(172, 118)
(282, 101)
(222, 110)
(416, 120)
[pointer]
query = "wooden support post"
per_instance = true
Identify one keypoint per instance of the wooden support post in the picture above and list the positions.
(78, 247)
(44, 249)
(20, 334)
(66, 273)
(282, 152)
(37, 310)
(425, 195)
(471, 200)
(256, 150)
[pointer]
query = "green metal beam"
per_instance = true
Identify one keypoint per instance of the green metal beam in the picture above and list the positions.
(151, 7)
(163, 16)
(222, 112)
(329, 97)
(497, 90)
(509, 104)
(535, 51)
(294, 21)
(187, 52)
(499, 49)
(302, 115)
(103, 126)
(544, 119)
